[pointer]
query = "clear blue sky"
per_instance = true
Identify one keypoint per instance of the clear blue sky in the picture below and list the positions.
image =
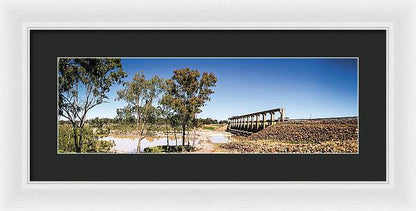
(321, 87)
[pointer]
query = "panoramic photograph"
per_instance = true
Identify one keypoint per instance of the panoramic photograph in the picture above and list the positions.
(234, 105)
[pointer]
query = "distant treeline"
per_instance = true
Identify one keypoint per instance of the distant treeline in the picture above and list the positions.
(159, 121)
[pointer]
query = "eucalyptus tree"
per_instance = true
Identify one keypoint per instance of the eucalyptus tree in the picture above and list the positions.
(166, 113)
(83, 85)
(187, 93)
(125, 116)
(169, 114)
(174, 122)
(140, 94)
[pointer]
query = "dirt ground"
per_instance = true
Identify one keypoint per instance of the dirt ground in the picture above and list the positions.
(338, 135)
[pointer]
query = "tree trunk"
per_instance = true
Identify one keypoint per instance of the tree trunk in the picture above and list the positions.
(75, 140)
(176, 139)
(138, 128)
(194, 137)
(77, 144)
(138, 146)
(137, 119)
(167, 137)
(189, 139)
(80, 141)
(183, 134)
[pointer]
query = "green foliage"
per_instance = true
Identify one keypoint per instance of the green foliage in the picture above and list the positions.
(140, 94)
(99, 124)
(94, 76)
(121, 128)
(91, 143)
(186, 93)
(208, 127)
(154, 149)
(101, 146)
(93, 79)
(125, 115)
(65, 138)
(165, 149)
(223, 122)
(208, 121)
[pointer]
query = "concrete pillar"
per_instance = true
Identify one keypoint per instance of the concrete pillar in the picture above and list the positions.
(241, 123)
(235, 123)
(272, 115)
(253, 124)
(250, 128)
(264, 120)
(247, 123)
(282, 114)
(257, 122)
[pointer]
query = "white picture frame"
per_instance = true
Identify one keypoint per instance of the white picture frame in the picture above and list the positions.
(397, 17)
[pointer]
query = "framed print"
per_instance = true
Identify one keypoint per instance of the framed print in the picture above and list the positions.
(157, 113)
(207, 105)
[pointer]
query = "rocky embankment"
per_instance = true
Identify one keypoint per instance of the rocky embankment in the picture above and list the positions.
(301, 136)
(310, 131)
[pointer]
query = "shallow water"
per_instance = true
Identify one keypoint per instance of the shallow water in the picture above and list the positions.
(129, 145)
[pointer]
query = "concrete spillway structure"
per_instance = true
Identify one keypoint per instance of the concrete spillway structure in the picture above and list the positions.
(254, 122)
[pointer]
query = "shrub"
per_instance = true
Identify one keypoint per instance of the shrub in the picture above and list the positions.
(163, 149)
(90, 140)
(208, 127)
